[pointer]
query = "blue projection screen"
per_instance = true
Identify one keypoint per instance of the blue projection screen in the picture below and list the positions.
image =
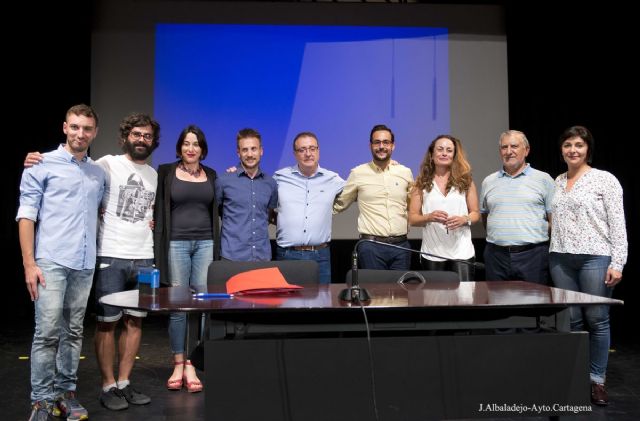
(336, 81)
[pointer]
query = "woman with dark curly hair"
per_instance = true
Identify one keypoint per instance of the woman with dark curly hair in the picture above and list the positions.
(444, 200)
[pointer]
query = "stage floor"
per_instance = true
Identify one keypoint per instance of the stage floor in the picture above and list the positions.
(153, 368)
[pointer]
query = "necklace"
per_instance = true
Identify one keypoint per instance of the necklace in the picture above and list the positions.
(194, 173)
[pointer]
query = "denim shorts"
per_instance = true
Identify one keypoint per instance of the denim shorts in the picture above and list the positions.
(116, 275)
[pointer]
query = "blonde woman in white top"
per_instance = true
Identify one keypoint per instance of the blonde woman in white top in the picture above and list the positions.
(588, 244)
(444, 200)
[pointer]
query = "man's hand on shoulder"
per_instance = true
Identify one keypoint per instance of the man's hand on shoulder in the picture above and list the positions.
(33, 158)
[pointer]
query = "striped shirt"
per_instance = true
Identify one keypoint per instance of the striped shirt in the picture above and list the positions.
(517, 207)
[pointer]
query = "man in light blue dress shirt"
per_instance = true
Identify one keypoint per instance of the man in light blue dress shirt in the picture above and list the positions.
(62, 196)
(306, 193)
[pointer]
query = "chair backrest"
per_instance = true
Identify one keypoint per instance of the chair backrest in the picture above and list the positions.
(294, 271)
(374, 275)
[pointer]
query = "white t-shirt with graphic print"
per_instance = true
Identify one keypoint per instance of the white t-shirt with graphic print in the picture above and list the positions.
(130, 192)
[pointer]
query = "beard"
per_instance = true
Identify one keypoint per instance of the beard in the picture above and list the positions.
(130, 148)
(250, 165)
(387, 157)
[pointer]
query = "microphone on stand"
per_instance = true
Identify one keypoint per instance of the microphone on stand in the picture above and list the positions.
(355, 292)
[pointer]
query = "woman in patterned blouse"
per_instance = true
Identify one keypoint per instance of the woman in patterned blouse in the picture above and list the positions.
(588, 244)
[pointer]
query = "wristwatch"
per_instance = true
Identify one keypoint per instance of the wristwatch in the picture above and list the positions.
(468, 220)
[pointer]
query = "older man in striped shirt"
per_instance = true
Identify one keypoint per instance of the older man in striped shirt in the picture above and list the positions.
(515, 203)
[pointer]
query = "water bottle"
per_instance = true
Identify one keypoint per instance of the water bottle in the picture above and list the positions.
(155, 279)
(148, 280)
(155, 284)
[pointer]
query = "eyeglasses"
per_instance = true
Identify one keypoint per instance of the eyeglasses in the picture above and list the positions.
(138, 135)
(311, 149)
(381, 142)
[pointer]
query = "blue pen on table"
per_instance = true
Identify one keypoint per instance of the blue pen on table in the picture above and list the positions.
(212, 295)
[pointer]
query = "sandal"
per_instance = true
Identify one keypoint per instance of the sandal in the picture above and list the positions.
(176, 384)
(194, 386)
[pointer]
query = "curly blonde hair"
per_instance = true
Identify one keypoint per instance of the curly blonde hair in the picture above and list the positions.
(460, 176)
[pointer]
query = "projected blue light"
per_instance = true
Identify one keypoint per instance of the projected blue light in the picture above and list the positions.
(336, 81)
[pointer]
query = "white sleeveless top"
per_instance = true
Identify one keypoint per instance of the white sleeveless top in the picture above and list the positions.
(435, 240)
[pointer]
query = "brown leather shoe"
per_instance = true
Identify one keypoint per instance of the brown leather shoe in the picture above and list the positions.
(599, 395)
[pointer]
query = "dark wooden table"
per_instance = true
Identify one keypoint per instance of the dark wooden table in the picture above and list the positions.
(496, 294)
(436, 351)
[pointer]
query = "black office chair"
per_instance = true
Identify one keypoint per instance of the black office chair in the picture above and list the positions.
(294, 271)
(400, 276)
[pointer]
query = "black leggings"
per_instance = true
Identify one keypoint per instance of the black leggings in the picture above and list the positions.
(466, 271)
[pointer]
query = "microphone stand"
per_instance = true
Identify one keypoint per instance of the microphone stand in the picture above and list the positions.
(355, 292)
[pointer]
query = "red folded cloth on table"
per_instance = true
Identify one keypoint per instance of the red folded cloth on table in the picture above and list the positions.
(260, 281)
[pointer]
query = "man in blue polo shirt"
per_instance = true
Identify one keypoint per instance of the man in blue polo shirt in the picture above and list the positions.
(306, 193)
(248, 196)
(515, 204)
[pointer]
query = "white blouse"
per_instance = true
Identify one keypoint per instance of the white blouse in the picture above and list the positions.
(589, 219)
(452, 244)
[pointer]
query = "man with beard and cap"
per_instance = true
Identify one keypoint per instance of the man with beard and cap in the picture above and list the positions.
(125, 243)
(248, 196)
(381, 189)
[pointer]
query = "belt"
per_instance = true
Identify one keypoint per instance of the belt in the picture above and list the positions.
(309, 248)
(394, 239)
(520, 248)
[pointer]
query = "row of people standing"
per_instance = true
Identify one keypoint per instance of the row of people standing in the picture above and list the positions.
(582, 215)
(248, 197)
(186, 219)
(186, 239)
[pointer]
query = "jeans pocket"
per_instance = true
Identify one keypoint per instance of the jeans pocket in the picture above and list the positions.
(104, 262)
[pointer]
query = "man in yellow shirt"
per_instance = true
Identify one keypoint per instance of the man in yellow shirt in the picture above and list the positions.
(381, 190)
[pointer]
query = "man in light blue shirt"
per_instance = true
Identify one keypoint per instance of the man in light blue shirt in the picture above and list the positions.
(62, 195)
(247, 196)
(306, 193)
(515, 204)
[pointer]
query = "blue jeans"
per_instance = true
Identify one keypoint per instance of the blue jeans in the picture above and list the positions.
(530, 265)
(57, 340)
(322, 256)
(188, 265)
(117, 275)
(377, 256)
(586, 273)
